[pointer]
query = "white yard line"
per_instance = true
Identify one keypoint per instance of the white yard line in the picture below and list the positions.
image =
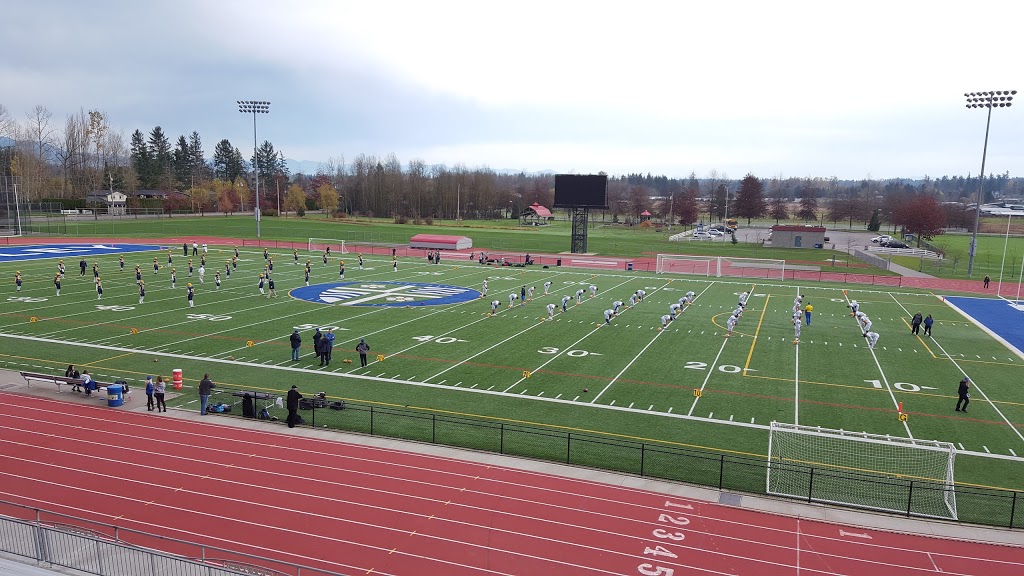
(892, 396)
(562, 350)
(796, 377)
(635, 358)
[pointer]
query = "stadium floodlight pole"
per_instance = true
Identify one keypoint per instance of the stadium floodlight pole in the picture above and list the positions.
(255, 107)
(990, 100)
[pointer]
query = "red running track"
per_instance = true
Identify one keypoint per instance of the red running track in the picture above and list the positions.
(364, 510)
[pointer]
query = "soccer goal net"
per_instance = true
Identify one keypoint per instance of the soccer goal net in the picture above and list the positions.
(10, 207)
(862, 470)
(680, 264)
(323, 244)
(721, 266)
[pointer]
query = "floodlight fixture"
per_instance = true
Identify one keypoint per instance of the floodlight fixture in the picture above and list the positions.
(990, 99)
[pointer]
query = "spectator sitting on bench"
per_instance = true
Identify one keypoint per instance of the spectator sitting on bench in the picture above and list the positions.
(88, 383)
(72, 373)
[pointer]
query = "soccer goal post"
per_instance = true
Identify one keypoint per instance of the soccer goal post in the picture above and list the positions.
(322, 244)
(681, 264)
(862, 470)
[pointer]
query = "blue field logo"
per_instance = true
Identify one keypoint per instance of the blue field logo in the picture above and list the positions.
(35, 252)
(394, 294)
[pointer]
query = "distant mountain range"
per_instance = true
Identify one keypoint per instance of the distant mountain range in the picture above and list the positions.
(308, 167)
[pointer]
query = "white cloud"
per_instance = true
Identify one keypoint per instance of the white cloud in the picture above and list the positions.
(794, 87)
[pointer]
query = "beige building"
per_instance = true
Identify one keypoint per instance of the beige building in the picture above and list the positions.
(798, 236)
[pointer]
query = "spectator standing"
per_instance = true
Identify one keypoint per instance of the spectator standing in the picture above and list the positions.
(965, 394)
(149, 391)
(293, 405)
(159, 388)
(928, 325)
(296, 341)
(915, 323)
(362, 348)
(328, 343)
(987, 280)
(317, 346)
(807, 312)
(184, 249)
(206, 386)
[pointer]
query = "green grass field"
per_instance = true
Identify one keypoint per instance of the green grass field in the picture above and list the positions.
(627, 380)
(494, 235)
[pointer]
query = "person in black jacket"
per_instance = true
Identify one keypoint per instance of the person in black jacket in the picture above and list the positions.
(317, 346)
(296, 341)
(362, 348)
(915, 323)
(293, 406)
(965, 394)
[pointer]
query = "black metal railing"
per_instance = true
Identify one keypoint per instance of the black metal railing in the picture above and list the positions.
(994, 507)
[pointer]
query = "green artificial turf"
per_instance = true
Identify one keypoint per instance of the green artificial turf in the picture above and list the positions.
(619, 396)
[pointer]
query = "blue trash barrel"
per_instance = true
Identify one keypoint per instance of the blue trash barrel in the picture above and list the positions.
(629, 265)
(115, 397)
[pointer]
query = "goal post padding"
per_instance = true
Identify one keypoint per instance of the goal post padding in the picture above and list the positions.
(682, 264)
(862, 470)
(321, 245)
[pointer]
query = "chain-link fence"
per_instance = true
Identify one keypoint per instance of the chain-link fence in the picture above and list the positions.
(65, 541)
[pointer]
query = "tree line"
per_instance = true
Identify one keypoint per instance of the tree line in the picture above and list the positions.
(82, 155)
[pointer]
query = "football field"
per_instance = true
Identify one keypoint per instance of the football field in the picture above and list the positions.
(436, 346)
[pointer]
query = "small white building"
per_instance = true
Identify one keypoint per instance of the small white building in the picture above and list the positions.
(115, 202)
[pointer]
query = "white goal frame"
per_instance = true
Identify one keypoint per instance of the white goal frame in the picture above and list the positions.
(699, 265)
(321, 244)
(871, 471)
(1011, 298)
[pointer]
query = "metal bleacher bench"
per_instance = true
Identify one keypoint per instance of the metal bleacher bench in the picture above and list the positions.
(58, 380)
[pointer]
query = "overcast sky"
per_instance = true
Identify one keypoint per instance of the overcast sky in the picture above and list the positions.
(847, 89)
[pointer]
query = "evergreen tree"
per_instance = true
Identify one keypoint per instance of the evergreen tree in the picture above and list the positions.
(182, 161)
(197, 158)
(779, 210)
(238, 166)
(876, 223)
(750, 199)
(160, 151)
(265, 161)
(227, 161)
(142, 161)
(808, 204)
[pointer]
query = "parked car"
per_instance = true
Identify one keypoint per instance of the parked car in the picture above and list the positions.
(894, 244)
(702, 236)
(881, 239)
(715, 233)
